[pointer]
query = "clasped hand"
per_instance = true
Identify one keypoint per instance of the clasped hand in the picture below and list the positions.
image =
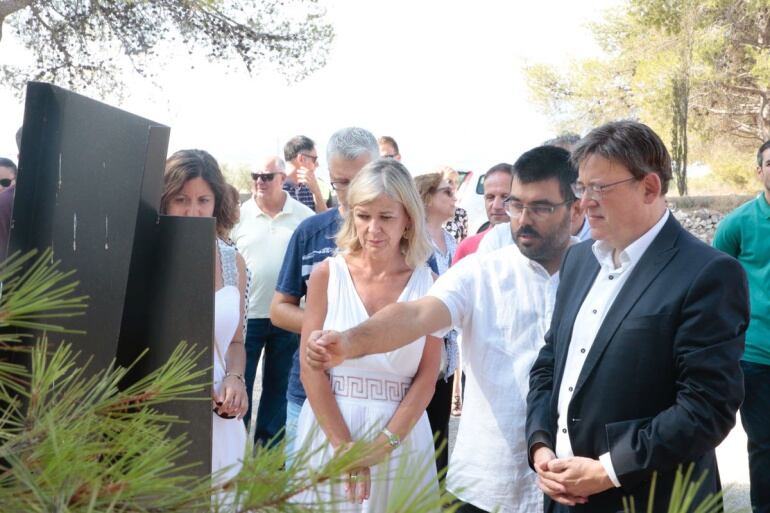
(358, 482)
(569, 481)
(231, 400)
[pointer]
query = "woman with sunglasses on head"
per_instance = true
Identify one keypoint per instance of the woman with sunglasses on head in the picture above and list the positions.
(438, 197)
(194, 187)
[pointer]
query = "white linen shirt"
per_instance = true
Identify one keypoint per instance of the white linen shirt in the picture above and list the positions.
(498, 237)
(262, 240)
(503, 303)
(590, 317)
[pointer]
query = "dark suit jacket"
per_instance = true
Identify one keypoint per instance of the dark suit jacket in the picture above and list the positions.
(662, 382)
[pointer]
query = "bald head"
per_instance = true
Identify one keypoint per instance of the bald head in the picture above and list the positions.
(273, 164)
(267, 179)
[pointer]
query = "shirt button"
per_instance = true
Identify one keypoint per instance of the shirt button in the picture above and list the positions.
(564, 430)
(593, 311)
(583, 350)
(612, 277)
(570, 389)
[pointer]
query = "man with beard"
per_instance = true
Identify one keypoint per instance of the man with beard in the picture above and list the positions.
(502, 301)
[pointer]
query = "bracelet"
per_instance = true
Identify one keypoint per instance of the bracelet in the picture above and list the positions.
(393, 438)
(235, 375)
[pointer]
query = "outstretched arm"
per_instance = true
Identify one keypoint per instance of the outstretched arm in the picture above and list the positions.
(392, 327)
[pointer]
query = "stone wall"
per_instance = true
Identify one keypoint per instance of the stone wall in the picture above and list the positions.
(701, 214)
(701, 222)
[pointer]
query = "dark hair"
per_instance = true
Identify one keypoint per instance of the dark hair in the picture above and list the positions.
(630, 143)
(500, 168)
(761, 150)
(297, 145)
(386, 139)
(544, 163)
(186, 165)
(567, 141)
(4, 162)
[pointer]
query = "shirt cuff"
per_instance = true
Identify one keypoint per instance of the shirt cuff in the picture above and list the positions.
(606, 462)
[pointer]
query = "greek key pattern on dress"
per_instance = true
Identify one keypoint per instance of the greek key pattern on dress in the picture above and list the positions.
(378, 389)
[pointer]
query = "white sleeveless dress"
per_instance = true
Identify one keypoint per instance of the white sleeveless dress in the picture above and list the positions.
(368, 391)
(228, 436)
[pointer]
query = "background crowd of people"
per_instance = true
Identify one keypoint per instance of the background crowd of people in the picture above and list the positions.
(599, 343)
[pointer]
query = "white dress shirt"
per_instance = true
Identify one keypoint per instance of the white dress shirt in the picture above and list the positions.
(590, 317)
(502, 302)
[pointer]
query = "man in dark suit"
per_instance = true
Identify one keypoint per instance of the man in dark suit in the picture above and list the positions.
(640, 372)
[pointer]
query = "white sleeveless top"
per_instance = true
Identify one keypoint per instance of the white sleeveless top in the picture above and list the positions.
(345, 310)
(368, 390)
(228, 435)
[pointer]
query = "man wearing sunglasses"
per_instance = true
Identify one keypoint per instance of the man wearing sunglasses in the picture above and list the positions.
(268, 220)
(8, 171)
(301, 183)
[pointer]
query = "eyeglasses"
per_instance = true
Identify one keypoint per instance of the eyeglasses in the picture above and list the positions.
(314, 158)
(6, 182)
(446, 190)
(516, 208)
(265, 177)
(338, 185)
(595, 190)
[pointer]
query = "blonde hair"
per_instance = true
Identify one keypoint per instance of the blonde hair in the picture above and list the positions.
(427, 185)
(449, 174)
(390, 177)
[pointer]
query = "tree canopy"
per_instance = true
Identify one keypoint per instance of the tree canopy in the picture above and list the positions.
(696, 71)
(81, 44)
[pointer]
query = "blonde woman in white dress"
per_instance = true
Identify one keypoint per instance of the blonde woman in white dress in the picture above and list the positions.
(194, 187)
(380, 399)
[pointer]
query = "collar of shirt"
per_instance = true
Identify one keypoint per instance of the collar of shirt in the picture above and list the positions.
(288, 206)
(763, 206)
(535, 266)
(631, 255)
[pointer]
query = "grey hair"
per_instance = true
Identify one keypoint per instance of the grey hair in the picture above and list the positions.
(352, 142)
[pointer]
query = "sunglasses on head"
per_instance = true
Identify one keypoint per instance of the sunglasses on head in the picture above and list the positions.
(265, 177)
(5, 182)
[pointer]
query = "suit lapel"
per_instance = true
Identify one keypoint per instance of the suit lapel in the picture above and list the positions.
(587, 274)
(646, 270)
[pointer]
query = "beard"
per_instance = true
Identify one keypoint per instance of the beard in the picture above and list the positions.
(544, 247)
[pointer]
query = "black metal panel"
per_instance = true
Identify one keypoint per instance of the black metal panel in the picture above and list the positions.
(89, 183)
(176, 302)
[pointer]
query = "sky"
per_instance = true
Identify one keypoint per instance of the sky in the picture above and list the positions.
(444, 78)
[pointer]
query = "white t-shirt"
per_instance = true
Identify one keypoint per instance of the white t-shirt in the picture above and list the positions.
(262, 241)
(503, 303)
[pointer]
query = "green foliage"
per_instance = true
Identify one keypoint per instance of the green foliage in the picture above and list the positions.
(238, 176)
(697, 70)
(78, 44)
(77, 440)
(682, 495)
